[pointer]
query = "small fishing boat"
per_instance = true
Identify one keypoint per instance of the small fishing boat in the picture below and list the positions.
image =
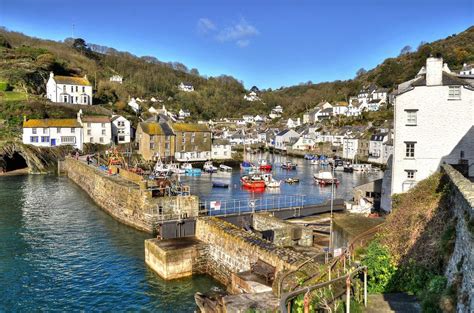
(288, 166)
(160, 169)
(361, 167)
(325, 178)
(225, 168)
(293, 180)
(252, 181)
(209, 168)
(174, 168)
(193, 172)
(216, 184)
(309, 156)
(247, 166)
(263, 165)
(348, 168)
(270, 182)
(315, 161)
(186, 166)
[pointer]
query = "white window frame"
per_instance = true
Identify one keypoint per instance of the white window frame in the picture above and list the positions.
(412, 118)
(410, 149)
(454, 93)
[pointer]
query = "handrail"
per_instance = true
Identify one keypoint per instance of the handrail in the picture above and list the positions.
(349, 248)
(285, 297)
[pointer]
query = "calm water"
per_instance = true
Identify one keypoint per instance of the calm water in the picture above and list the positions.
(314, 194)
(60, 252)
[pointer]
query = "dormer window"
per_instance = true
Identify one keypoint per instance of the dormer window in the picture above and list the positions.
(454, 93)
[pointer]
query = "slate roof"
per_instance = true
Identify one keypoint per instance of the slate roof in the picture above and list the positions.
(378, 137)
(96, 119)
(45, 123)
(70, 80)
(283, 132)
(448, 80)
(167, 130)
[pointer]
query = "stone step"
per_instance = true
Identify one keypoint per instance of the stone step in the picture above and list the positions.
(392, 302)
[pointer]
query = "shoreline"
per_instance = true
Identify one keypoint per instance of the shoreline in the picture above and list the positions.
(18, 172)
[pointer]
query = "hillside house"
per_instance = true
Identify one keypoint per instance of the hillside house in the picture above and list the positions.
(221, 149)
(116, 79)
(303, 143)
(349, 147)
(186, 87)
(284, 137)
(182, 114)
(134, 105)
(52, 132)
(252, 96)
(467, 70)
(121, 129)
(68, 89)
(378, 149)
(193, 142)
(434, 118)
(155, 141)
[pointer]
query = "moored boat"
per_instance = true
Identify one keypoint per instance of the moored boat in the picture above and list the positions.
(263, 165)
(217, 184)
(252, 181)
(362, 167)
(309, 156)
(288, 166)
(325, 178)
(247, 166)
(209, 168)
(293, 180)
(225, 168)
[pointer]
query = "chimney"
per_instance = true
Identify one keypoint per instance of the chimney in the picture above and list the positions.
(24, 118)
(51, 75)
(79, 116)
(434, 71)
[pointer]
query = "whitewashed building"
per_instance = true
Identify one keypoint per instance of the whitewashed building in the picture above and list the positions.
(186, 87)
(96, 129)
(52, 132)
(467, 69)
(134, 105)
(304, 143)
(252, 96)
(116, 79)
(434, 118)
(182, 114)
(121, 129)
(221, 149)
(68, 89)
(284, 137)
(380, 148)
(349, 148)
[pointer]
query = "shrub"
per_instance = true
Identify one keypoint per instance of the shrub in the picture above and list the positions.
(381, 267)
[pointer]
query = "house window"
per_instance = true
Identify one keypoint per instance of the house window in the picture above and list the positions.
(411, 117)
(152, 145)
(103, 125)
(89, 132)
(33, 130)
(34, 139)
(410, 149)
(76, 99)
(192, 140)
(68, 139)
(103, 132)
(167, 146)
(72, 89)
(73, 130)
(91, 139)
(65, 99)
(44, 138)
(77, 89)
(101, 139)
(64, 88)
(44, 130)
(88, 124)
(58, 130)
(410, 174)
(83, 89)
(454, 93)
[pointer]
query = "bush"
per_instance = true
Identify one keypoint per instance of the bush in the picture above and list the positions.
(381, 267)
(4, 86)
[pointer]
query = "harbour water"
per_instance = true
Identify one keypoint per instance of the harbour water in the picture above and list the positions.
(313, 193)
(60, 252)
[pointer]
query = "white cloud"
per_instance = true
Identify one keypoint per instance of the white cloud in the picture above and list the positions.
(205, 25)
(243, 43)
(239, 32)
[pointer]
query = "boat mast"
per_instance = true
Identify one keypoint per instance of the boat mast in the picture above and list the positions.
(332, 206)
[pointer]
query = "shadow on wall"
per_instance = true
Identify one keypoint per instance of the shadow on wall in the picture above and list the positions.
(462, 155)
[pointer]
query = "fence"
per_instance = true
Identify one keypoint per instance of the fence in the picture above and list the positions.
(239, 206)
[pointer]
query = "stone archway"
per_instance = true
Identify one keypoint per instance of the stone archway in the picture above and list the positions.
(13, 162)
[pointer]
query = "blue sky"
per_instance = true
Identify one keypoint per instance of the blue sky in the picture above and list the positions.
(261, 42)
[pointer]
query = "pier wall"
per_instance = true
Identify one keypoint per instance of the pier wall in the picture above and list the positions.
(284, 234)
(125, 200)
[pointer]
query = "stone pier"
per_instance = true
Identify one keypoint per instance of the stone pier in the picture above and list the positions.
(126, 196)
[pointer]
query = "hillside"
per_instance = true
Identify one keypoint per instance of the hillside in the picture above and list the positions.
(26, 63)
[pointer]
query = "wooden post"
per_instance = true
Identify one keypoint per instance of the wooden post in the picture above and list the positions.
(348, 294)
(365, 287)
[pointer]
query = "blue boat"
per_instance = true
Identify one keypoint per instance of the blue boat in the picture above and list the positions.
(217, 184)
(247, 166)
(309, 156)
(193, 171)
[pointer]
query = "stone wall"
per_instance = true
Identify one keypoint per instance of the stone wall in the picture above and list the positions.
(284, 234)
(126, 201)
(460, 270)
(233, 250)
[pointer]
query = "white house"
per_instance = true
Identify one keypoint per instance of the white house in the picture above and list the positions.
(277, 110)
(121, 131)
(339, 109)
(258, 119)
(252, 96)
(186, 87)
(116, 79)
(374, 104)
(304, 143)
(378, 149)
(96, 129)
(68, 89)
(434, 118)
(284, 137)
(221, 149)
(349, 148)
(248, 119)
(52, 132)
(467, 69)
(182, 114)
(134, 105)
(353, 107)
(324, 114)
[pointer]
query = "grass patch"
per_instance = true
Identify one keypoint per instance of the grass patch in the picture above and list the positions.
(12, 96)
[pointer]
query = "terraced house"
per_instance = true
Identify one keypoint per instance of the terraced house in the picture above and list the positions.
(180, 141)
(193, 142)
(52, 132)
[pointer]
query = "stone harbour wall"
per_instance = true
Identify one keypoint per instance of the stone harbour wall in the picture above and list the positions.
(232, 250)
(123, 199)
(460, 270)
